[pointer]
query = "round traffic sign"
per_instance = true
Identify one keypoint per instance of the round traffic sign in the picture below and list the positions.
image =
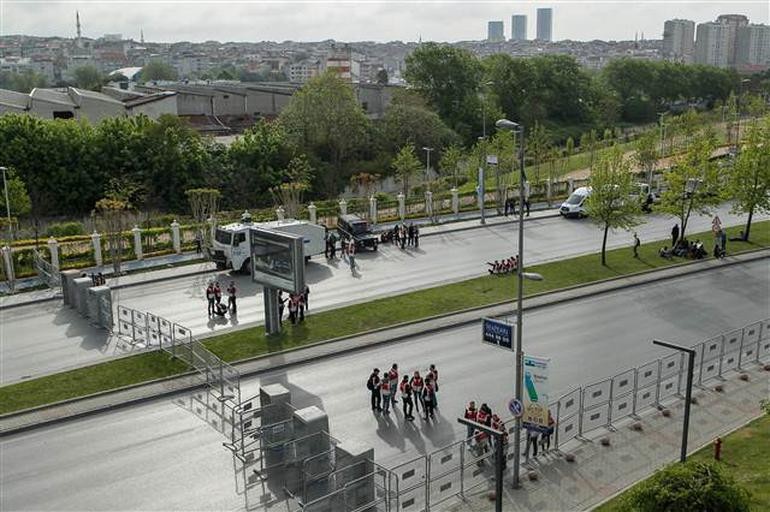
(515, 407)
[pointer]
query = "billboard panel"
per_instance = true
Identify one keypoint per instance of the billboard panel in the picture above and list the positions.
(277, 259)
(536, 392)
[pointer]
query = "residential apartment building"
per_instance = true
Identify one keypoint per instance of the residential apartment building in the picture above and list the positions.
(679, 40)
(545, 24)
(712, 41)
(753, 48)
(301, 72)
(731, 24)
(518, 27)
(495, 31)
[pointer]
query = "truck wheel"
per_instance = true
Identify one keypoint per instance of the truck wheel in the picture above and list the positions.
(220, 265)
(375, 246)
(246, 267)
(307, 258)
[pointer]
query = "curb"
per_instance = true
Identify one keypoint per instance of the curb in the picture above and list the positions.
(200, 272)
(616, 284)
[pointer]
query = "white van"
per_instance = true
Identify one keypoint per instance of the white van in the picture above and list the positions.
(574, 206)
(232, 246)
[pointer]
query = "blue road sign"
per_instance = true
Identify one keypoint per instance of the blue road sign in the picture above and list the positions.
(498, 333)
(516, 407)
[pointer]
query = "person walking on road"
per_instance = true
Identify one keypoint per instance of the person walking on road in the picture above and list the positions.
(352, 256)
(393, 377)
(217, 292)
(470, 414)
(293, 308)
(373, 385)
(417, 386)
(406, 397)
(211, 298)
(637, 243)
(433, 375)
(281, 306)
(674, 236)
(385, 390)
(231, 293)
(417, 236)
(545, 439)
(306, 297)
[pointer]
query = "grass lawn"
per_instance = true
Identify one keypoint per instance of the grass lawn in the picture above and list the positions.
(745, 456)
(357, 318)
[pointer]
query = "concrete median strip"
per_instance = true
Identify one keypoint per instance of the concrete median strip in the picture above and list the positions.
(20, 421)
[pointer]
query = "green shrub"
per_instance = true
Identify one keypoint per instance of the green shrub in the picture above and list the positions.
(61, 229)
(689, 487)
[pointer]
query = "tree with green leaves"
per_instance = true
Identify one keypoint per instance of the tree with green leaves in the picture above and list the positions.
(610, 205)
(382, 77)
(112, 214)
(692, 184)
(18, 199)
(692, 486)
(588, 142)
(538, 147)
(324, 119)
(204, 204)
(296, 181)
(157, 70)
(88, 77)
(646, 153)
(406, 164)
(450, 160)
(748, 183)
(448, 77)
(22, 82)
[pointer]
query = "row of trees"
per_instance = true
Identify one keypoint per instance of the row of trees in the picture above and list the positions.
(695, 184)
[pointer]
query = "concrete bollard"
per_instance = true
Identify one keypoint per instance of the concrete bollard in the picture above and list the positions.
(343, 207)
(280, 213)
(455, 201)
(373, 209)
(175, 238)
(8, 266)
(53, 248)
(312, 211)
(68, 286)
(138, 242)
(80, 294)
(401, 206)
(96, 241)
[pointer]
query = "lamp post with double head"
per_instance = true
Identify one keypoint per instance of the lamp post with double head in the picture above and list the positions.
(505, 124)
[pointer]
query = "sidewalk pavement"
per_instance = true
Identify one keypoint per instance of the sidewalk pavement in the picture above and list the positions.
(100, 402)
(162, 268)
(600, 472)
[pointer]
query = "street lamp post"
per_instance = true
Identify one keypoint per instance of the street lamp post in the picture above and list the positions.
(7, 205)
(505, 124)
(688, 392)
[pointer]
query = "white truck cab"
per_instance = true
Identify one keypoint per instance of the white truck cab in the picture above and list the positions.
(232, 247)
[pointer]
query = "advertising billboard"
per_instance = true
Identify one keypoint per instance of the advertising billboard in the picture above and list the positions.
(277, 259)
(536, 392)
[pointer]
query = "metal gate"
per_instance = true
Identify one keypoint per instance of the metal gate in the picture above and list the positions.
(45, 271)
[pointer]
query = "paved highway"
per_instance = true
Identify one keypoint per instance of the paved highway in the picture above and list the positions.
(163, 455)
(39, 339)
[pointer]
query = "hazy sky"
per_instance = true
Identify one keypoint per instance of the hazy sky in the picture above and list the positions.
(349, 20)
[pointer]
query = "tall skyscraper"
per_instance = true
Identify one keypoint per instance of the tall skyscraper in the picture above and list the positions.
(545, 24)
(732, 22)
(679, 40)
(752, 48)
(518, 27)
(495, 31)
(711, 44)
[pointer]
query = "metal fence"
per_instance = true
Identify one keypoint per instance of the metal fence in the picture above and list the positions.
(45, 271)
(451, 471)
(152, 331)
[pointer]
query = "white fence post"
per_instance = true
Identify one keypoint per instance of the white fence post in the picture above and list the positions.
(429, 204)
(96, 241)
(280, 213)
(212, 222)
(401, 206)
(312, 212)
(175, 238)
(570, 186)
(455, 201)
(343, 207)
(53, 247)
(373, 209)
(138, 242)
(8, 264)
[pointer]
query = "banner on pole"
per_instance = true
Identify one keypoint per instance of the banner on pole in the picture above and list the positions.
(536, 371)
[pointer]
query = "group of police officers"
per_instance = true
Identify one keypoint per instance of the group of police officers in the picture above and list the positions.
(414, 392)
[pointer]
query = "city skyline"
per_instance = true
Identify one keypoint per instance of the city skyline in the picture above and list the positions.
(317, 21)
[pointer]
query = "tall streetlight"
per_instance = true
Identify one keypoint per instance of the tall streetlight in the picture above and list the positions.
(505, 124)
(688, 392)
(7, 206)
